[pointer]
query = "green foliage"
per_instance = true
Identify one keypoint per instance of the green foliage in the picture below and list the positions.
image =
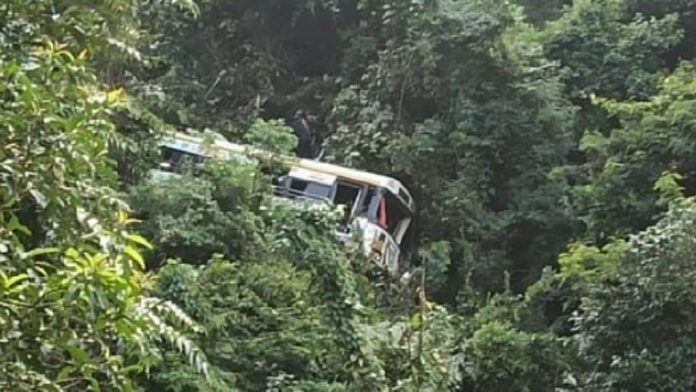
(436, 259)
(260, 321)
(589, 262)
(237, 60)
(626, 168)
(635, 331)
(435, 107)
(296, 310)
(306, 236)
(668, 186)
(476, 112)
(191, 219)
(271, 136)
(455, 98)
(534, 151)
(289, 315)
(522, 361)
(551, 303)
(74, 313)
(540, 12)
(609, 49)
(30, 184)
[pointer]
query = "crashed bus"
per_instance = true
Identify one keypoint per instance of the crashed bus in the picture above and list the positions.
(377, 208)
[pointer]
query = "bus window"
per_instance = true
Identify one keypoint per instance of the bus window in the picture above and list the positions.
(374, 208)
(364, 207)
(399, 217)
(170, 158)
(387, 211)
(311, 190)
(177, 161)
(347, 195)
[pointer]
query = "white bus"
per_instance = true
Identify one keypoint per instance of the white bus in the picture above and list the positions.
(379, 208)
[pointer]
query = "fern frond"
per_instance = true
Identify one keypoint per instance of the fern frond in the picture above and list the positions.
(155, 311)
(172, 311)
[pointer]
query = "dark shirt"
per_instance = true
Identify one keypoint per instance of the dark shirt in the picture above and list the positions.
(305, 138)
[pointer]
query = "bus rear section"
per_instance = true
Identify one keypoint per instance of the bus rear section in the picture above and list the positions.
(370, 211)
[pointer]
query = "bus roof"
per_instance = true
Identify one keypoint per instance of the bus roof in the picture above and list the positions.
(342, 172)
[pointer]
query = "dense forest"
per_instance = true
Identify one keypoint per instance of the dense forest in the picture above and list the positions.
(549, 145)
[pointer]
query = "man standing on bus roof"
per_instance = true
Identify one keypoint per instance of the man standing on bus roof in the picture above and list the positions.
(305, 136)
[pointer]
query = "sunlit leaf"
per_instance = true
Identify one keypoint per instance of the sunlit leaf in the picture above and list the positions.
(40, 252)
(139, 240)
(135, 255)
(39, 197)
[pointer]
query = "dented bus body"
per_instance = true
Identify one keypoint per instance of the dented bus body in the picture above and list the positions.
(377, 209)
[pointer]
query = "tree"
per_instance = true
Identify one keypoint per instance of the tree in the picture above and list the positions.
(626, 171)
(635, 330)
(611, 49)
(74, 313)
(541, 12)
(459, 103)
